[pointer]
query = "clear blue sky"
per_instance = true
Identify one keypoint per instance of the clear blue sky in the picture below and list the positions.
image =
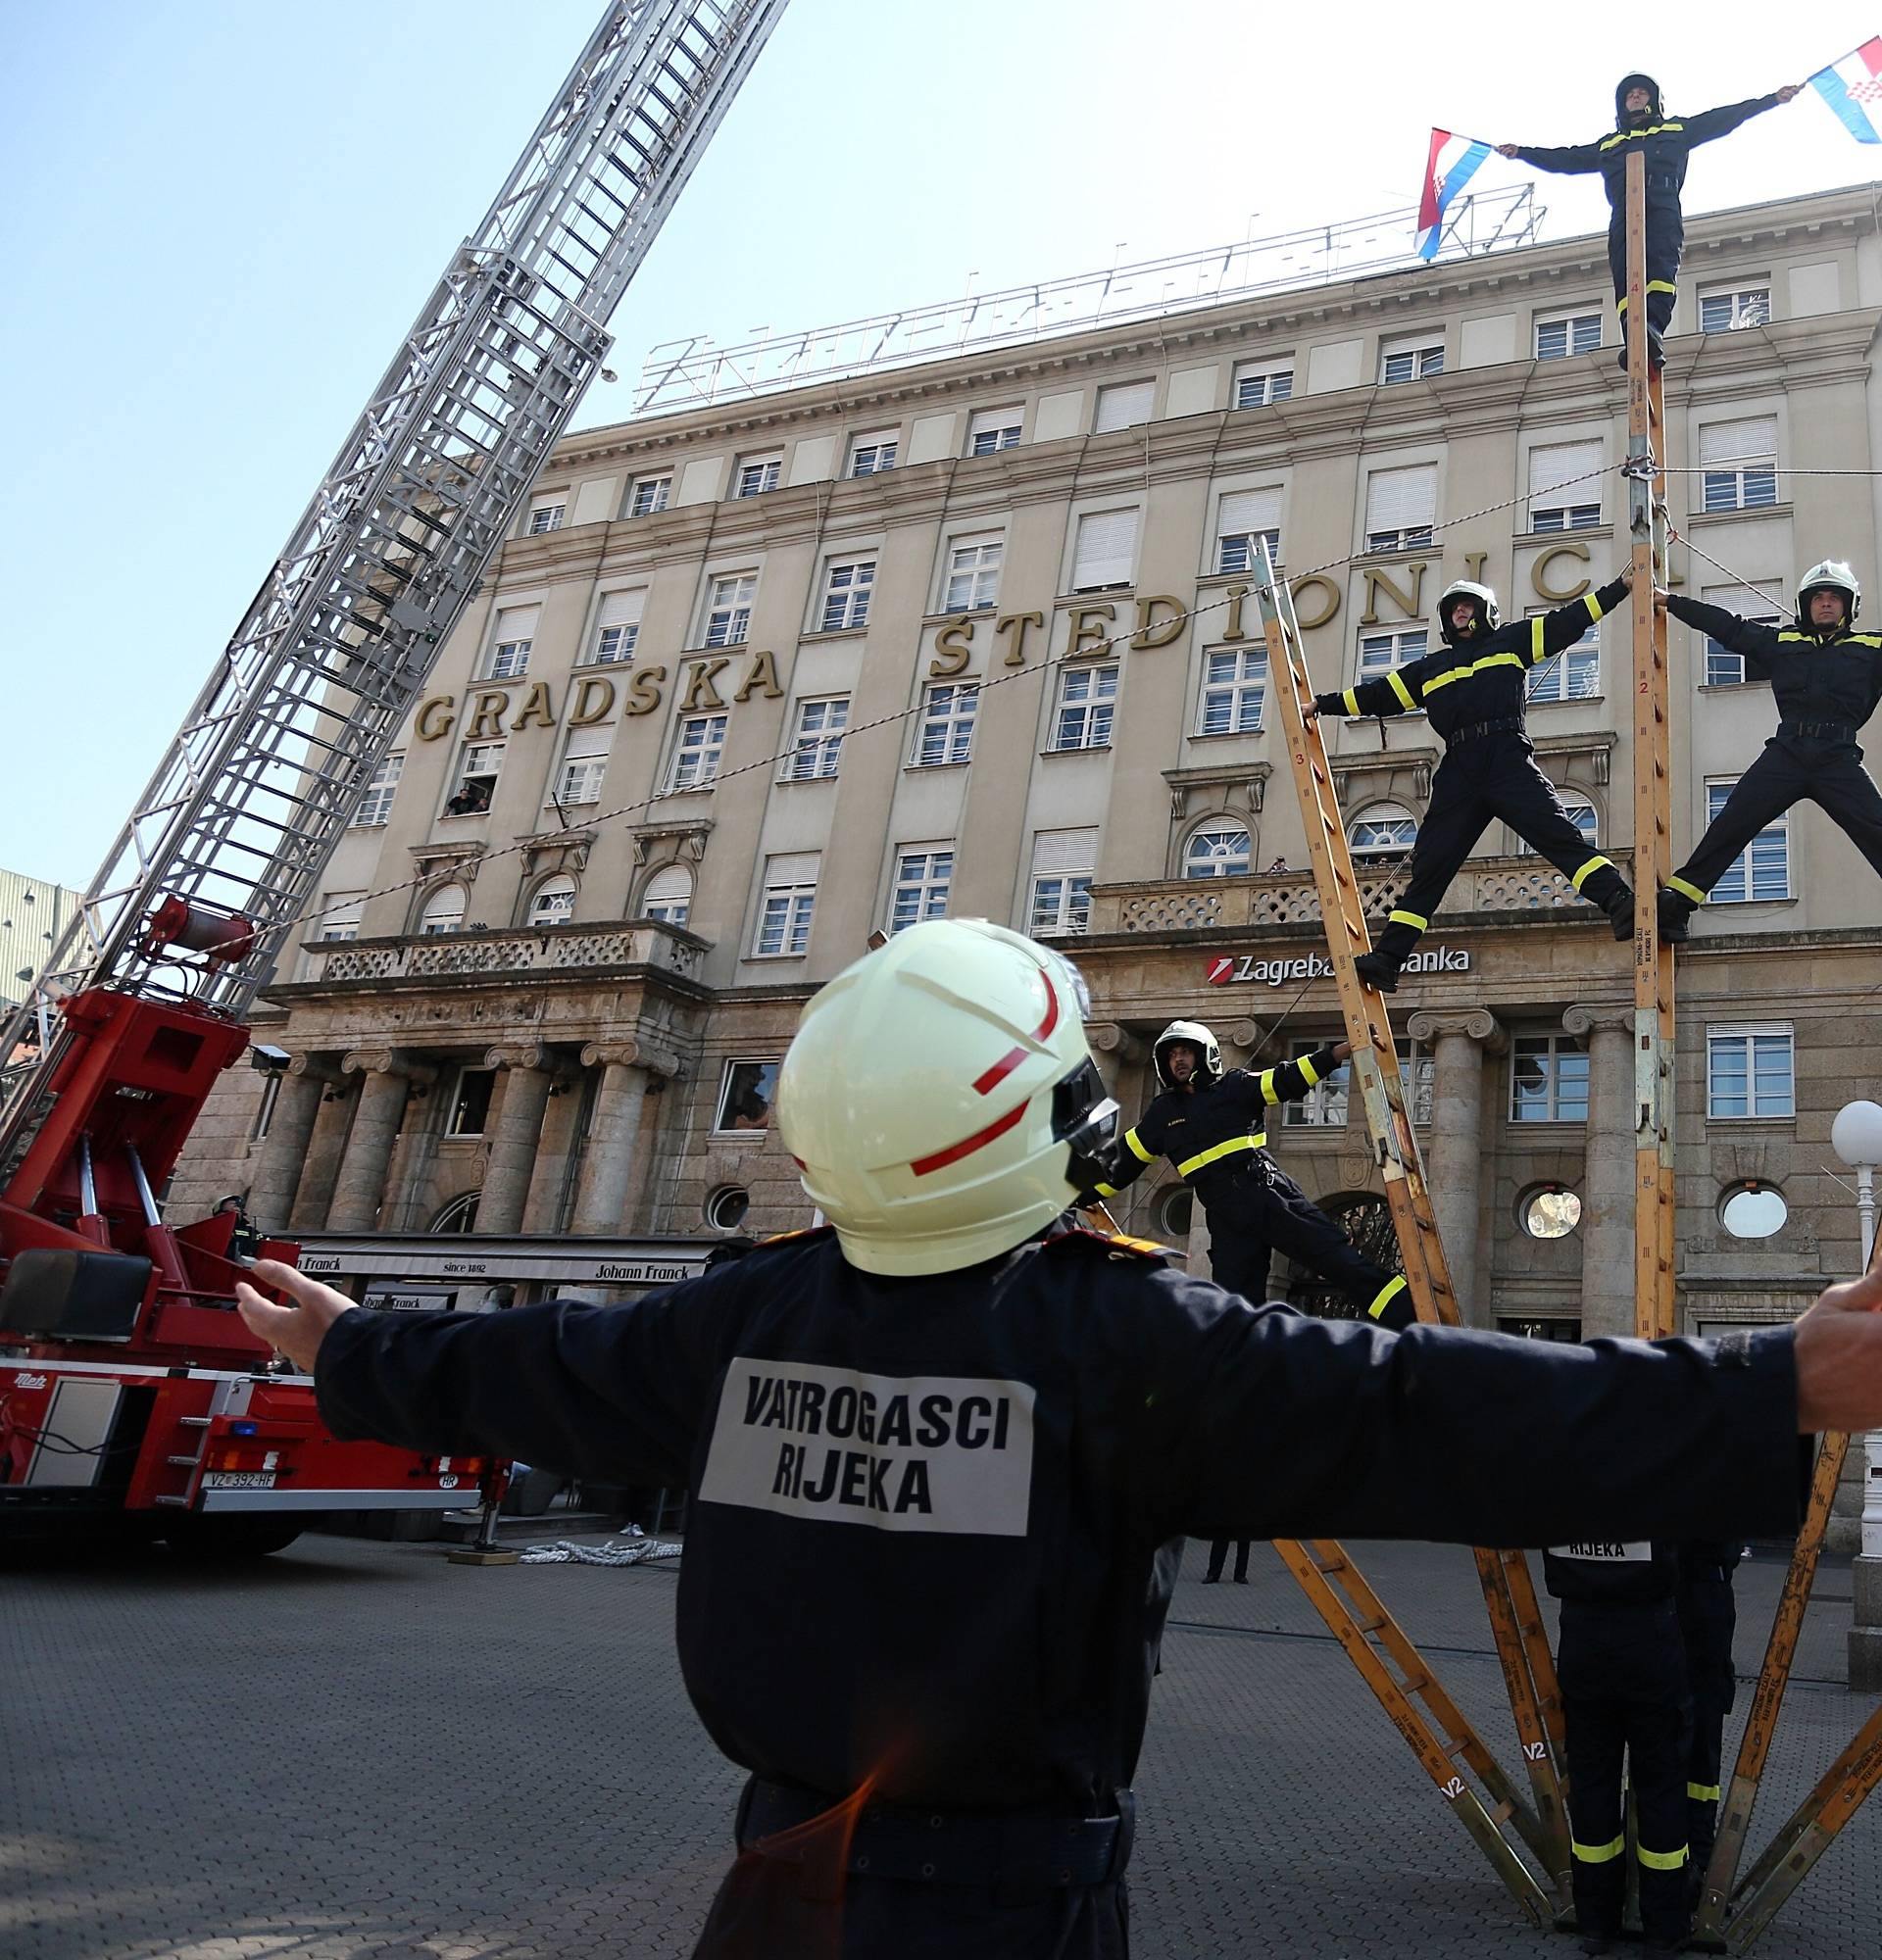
(222, 216)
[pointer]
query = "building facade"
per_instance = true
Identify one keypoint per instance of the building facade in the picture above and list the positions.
(977, 637)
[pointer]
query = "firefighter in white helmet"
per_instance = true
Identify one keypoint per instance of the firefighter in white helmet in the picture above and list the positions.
(935, 1446)
(1827, 678)
(1214, 1128)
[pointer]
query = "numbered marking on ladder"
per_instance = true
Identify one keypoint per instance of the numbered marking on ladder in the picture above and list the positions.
(1535, 1752)
(1453, 1790)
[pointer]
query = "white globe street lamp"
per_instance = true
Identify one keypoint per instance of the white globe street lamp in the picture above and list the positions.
(1856, 1137)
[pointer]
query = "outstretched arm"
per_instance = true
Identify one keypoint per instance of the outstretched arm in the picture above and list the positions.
(1756, 641)
(1394, 692)
(1570, 159)
(1551, 632)
(1130, 1158)
(1289, 1081)
(1711, 123)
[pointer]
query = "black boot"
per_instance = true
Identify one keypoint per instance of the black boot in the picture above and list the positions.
(1619, 907)
(1377, 971)
(1675, 908)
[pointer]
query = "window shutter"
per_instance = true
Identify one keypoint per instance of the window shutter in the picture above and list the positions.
(985, 422)
(1558, 462)
(516, 623)
(446, 902)
(795, 868)
(1124, 408)
(622, 608)
(1753, 439)
(589, 741)
(1398, 499)
(1059, 853)
(344, 912)
(558, 887)
(1107, 544)
(670, 887)
(1250, 511)
(1746, 600)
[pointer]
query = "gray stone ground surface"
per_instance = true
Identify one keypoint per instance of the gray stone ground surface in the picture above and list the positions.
(354, 1750)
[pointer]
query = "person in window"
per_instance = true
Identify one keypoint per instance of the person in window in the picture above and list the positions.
(1472, 686)
(473, 800)
(1641, 124)
(1827, 678)
(939, 1449)
(1211, 1127)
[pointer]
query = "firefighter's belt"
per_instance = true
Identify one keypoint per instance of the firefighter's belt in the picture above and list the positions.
(1023, 1852)
(1216, 1153)
(1479, 731)
(1818, 731)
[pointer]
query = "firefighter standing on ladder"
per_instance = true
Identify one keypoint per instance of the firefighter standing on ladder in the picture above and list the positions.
(1827, 678)
(937, 1447)
(1473, 689)
(1211, 1127)
(1642, 123)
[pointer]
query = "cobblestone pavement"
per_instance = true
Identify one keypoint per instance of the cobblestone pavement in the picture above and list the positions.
(354, 1750)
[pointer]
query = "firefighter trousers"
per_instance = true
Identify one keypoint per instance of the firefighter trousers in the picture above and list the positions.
(1256, 1212)
(1478, 781)
(1624, 1699)
(1665, 245)
(1789, 770)
(1708, 1620)
(1218, 1557)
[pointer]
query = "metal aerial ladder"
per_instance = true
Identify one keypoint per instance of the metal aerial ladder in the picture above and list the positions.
(142, 1003)
(1508, 1588)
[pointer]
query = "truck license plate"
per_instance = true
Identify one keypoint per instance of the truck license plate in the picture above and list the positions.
(238, 1480)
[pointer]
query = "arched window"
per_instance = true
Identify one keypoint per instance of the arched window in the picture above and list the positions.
(668, 896)
(1581, 814)
(443, 911)
(1386, 830)
(553, 903)
(459, 1215)
(1219, 849)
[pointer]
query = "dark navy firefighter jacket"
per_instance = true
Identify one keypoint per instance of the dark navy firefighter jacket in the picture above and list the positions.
(925, 1510)
(1829, 676)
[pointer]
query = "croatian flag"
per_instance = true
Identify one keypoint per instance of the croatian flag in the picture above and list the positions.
(1853, 87)
(1452, 163)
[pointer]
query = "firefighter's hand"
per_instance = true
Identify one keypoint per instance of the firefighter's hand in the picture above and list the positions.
(1789, 89)
(1343, 1051)
(1839, 1359)
(1309, 710)
(1661, 596)
(1505, 148)
(297, 1330)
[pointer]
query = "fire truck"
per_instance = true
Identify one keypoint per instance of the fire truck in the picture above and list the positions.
(132, 1398)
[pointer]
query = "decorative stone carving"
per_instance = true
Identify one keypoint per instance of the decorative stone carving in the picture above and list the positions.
(1478, 1023)
(633, 1054)
(387, 1061)
(1113, 1038)
(519, 1054)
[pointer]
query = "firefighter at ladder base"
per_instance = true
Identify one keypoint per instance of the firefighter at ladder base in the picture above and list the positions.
(1474, 690)
(1210, 1126)
(1708, 1620)
(1641, 124)
(936, 1447)
(1624, 1696)
(1827, 678)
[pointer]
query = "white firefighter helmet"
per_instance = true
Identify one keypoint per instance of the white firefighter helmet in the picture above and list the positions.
(1209, 1063)
(1833, 574)
(1489, 613)
(940, 1101)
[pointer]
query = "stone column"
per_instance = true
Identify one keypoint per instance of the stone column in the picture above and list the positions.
(359, 1192)
(1608, 1182)
(515, 1134)
(314, 1195)
(285, 1149)
(604, 1204)
(547, 1180)
(1453, 1141)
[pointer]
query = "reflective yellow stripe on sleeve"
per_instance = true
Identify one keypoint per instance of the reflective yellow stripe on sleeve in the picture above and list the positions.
(1267, 1087)
(1352, 699)
(1137, 1150)
(1535, 638)
(1597, 1854)
(1661, 286)
(1217, 1151)
(1661, 1861)
(1412, 919)
(1106, 1190)
(1686, 891)
(1594, 608)
(1401, 690)
(1703, 1792)
(1309, 1073)
(1588, 870)
(1385, 1296)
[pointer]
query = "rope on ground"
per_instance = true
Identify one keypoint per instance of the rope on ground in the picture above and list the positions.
(637, 1549)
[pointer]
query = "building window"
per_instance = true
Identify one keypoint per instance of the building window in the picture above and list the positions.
(1064, 862)
(1387, 830)
(1563, 335)
(477, 772)
(1217, 851)
(1749, 1072)
(816, 745)
(945, 731)
(546, 513)
(1753, 1209)
(746, 1092)
(376, 807)
(1257, 387)
(470, 1103)
(669, 897)
(1574, 674)
(1380, 653)
(458, 1216)
(1418, 1068)
(1124, 406)
(1087, 699)
(1731, 307)
(1581, 814)
(339, 917)
(1565, 487)
(1549, 1212)
(585, 761)
(1105, 548)
(1738, 463)
(1244, 516)
(973, 573)
(1763, 870)
(784, 911)
(923, 874)
(1548, 1080)
(726, 1208)
(511, 642)
(990, 431)
(1401, 507)
(553, 903)
(696, 750)
(1174, 1213)
(1234, 690)
(847, 585)
(617, 627)
(729, 612)
(1323, 1106)
(443, 913)
(871, 455)
(757, 475)
(651, 495)
(1724, 669)
(1409, 360)
(265, 1110)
